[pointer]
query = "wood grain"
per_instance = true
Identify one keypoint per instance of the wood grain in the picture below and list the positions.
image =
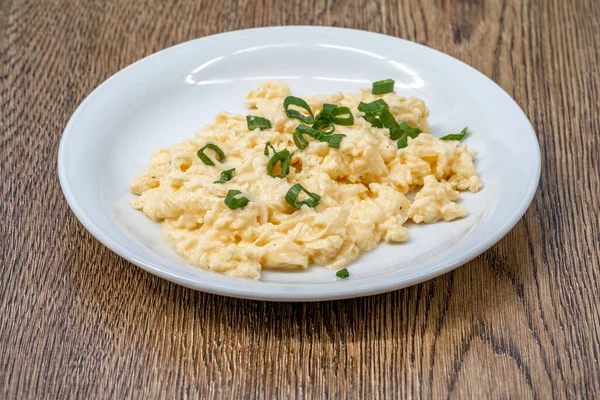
(520, 321)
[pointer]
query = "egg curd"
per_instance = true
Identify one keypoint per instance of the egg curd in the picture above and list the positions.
(362, 187)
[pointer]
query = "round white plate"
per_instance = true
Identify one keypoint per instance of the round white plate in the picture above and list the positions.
(168, 96)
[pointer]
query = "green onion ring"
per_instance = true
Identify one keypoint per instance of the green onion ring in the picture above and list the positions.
(337, 116)
(292, 195)
(382, 87)
(373, 120)
(342, 273)
(205, 159)
(267, 145)
(402, 142)
(235, 202)
(455, 136)
(333, 140)
(324, 123)
(297, 101)
(285, 158)
(226, 176)
(255, 122)
(373, 107)
(299, 140)
(409, 130)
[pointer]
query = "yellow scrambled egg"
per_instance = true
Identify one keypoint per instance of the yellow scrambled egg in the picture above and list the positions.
(362, 185)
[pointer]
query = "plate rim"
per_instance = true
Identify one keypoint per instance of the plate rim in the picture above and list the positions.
(347, 289)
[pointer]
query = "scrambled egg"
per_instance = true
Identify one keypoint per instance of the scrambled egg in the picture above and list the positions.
(362, 185)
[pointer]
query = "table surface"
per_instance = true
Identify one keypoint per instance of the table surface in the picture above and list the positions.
(521, 319)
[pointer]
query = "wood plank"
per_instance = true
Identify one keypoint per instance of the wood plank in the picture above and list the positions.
(519, 321)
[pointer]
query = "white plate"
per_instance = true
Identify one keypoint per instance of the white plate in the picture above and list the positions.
(166, 97)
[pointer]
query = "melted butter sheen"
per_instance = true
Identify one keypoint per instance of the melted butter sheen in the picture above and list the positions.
(362, 186)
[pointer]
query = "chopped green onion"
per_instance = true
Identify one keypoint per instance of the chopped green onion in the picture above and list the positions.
(377, 113)
(456, 136)
(403, 141)
(234, 202)
(373, 120)
(284, 158)
(323, 119)
(373, 107)
(373, 112)
(266, 152)
(409, 130)
(387, 119)
(328, 107)
(309, 131)
(226, 176)
(297, 101)
(324, 123)
(302, 143)
(332, 115)
(326, 111)
(396, 133)
(299, 140)
(342, 273)
(335, 140)
(342, 116)
(292, 195)
(402, 132)
(257, 122)
(205, 159)
(382, 87)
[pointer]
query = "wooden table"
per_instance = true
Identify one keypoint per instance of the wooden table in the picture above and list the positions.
(519, 321)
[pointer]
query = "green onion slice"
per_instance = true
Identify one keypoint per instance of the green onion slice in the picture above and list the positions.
(456, 136)
(377, 113)
(342, 116)
(373, 120)
(342, 273)
(382, 87)
(387, 119)
(307, 130)
(335, 140)
(297, 101)
(373, 112)
(328, 107)
(324, 119)
(332, 115)
(403, 141)
(299, 140)
(267, 146)
(255, 122)
(396, 133)
(402, 132)
(373, 107)
(326, 111)
(205, 159)
(292, 195)
(284, 158)
(409, 131)
(234, 202)
(302, 143)
(324, 123)
(226, 176)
